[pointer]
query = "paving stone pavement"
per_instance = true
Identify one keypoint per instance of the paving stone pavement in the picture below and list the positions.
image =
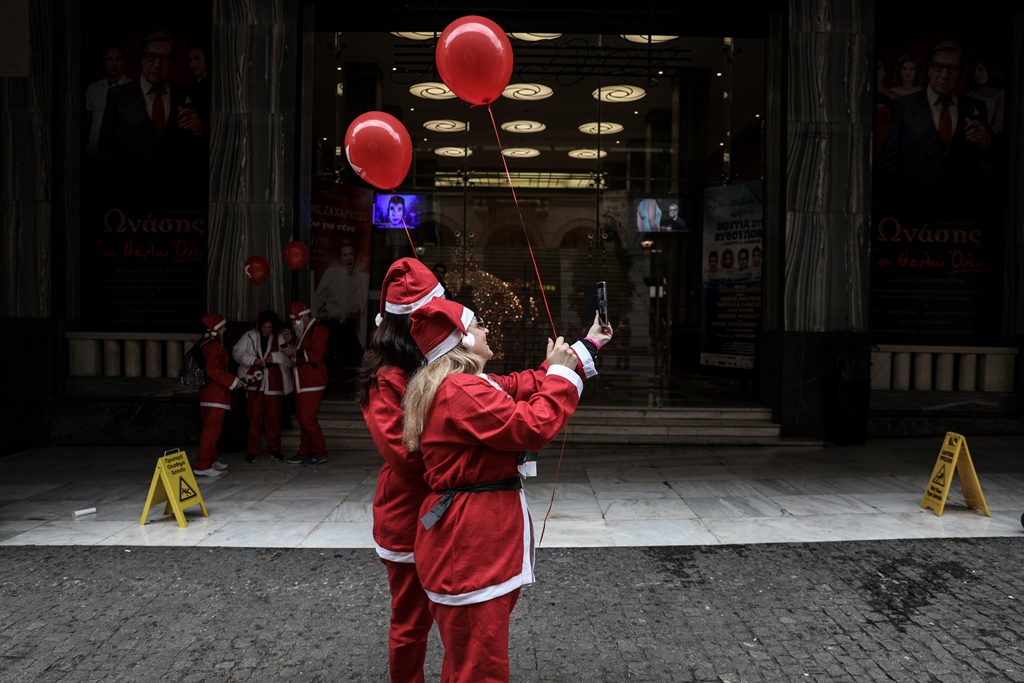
(928, 611)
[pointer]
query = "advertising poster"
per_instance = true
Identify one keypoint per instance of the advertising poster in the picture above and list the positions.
(938, 223)
(341, 221)
(144, 172)
(733, 234)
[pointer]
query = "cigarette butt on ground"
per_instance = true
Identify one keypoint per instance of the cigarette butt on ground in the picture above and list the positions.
(84, 511)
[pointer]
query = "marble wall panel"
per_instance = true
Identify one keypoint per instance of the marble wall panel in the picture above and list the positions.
(829, 140)
(826, 169)
(27, 184)
(252, 158)
(826, 274)
(241, 12)
(832, 17)
(239, 230)
(27, 258)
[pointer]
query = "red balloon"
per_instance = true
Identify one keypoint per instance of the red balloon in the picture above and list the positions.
(474, 58)
(257, 269)
(295, 255)
(379, 149)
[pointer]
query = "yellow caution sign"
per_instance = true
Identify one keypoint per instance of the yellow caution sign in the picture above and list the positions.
(954, 458)
(174, 483)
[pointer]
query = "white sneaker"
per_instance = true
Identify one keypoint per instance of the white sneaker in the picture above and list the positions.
(206, 473)
(220, 465)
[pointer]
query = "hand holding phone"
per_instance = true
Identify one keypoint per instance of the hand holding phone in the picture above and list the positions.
(602, 303)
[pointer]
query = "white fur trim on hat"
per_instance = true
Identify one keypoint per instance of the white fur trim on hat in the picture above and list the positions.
(449, 343)
(435, 293)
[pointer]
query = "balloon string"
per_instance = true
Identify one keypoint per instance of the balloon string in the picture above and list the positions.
(408, 234)
(522, 222)
(540, 284)
(554, 483)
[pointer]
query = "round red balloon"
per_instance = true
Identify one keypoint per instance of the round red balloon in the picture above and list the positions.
(256, 269)
(295, 255)
(474, 59)
(379, 149)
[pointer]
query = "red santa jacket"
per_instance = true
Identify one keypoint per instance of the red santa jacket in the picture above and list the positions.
(483, 546)
(400, 485)
(217, 394)
(310, 371)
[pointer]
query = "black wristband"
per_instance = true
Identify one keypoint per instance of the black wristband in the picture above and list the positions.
(590, 346)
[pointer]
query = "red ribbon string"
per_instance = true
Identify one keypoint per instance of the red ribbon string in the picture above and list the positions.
(522, 222)
(407, 233)
(544, 297)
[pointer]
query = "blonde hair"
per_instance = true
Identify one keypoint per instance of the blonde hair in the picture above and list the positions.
(422, 388)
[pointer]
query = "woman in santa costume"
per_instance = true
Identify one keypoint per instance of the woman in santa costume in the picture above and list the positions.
(309, 374)
(267, 373)
(475, 544)
(380, 385)
(215, 397)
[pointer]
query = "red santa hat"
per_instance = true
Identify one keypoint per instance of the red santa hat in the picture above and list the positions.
(439, 325)
(408, 285)
(214, 321)
(298, 309)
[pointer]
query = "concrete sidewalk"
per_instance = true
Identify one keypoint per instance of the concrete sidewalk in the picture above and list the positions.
(928, 611)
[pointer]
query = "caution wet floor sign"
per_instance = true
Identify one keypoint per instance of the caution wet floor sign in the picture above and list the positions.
(174, 483)
(954, 458)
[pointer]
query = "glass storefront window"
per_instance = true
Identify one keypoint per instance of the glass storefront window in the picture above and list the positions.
(592, 165)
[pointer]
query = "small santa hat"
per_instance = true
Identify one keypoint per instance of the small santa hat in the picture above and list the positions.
(408, 285)
(439, 325)
(298, 309)
(214, 321)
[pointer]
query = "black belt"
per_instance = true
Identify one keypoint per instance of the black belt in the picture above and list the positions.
(436, 512)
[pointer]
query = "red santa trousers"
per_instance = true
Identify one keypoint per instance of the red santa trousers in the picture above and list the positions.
(264, 415)
(213, 422)
(410, 623)
(311, 437)
(475, 639)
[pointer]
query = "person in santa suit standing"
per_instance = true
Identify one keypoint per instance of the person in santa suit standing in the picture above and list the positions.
(265, 365)
(215, 397)
(390, 359)
(474, 545)
(309, 376)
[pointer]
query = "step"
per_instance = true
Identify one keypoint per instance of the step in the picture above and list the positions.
(344, 428)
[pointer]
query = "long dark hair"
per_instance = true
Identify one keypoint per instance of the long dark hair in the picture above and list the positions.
(391, 344)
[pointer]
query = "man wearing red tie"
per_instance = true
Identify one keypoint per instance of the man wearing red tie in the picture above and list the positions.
(309, 373)
(939, 143)
(150, 131)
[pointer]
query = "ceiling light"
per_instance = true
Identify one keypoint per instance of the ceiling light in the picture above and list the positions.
(432, 91)
(588, 153)
(527, 91)
(522, 179)
(619, 93)
(520, 152)
(601, 128)
(453, 151)
(535, 36)
(523, 126)
(637, 38)
(446, 125)
(415, 35)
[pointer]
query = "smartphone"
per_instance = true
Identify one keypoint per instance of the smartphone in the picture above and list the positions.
(602, 303)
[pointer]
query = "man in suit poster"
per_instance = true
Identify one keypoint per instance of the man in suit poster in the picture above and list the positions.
(939, 145)
(145, 198)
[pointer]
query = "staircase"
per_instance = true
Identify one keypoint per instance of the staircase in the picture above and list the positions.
(344, 428)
